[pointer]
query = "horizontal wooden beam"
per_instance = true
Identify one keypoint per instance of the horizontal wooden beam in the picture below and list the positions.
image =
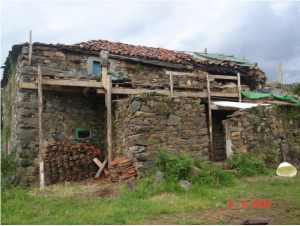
(25, 85)
(215, 107)
(177, 73)
(223, 77)
(115, 90)
(62, 82)
(221, 94)
(176, 93)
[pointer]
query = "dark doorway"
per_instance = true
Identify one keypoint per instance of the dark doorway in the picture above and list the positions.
(219, 133)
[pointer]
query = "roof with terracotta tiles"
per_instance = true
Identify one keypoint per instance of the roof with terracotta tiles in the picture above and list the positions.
(136, 51)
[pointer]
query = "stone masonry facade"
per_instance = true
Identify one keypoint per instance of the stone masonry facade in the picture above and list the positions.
(143, 124)
(265, 128)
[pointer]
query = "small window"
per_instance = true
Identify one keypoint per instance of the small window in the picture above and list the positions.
(96, 68)
(85, 133)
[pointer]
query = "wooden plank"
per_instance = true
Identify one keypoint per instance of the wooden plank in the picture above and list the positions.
(223, 77)
(127, 91)
(215, 107)
(62, 82)
(104, 77)
(221, 94)
(30, 47)
(116, 90)
(280, 76)
(239, 87)
(210, 120)
(41, 137)
(109, 125)
(97, 161)
(171, 83)
(101, 169)
(25, 85)
(180, 73)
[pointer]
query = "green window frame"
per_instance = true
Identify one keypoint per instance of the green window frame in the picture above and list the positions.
(83, 133)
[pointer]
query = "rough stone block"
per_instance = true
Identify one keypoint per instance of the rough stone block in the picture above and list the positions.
(137, 149)
(28, 135)
(142, 129)
(173, 120)
(135, 106)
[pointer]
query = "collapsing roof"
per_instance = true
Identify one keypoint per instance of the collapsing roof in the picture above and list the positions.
(251, 76)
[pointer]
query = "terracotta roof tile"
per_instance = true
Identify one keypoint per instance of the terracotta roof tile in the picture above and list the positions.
(133, 50)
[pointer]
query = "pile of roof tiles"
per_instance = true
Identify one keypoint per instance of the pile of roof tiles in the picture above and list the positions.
(121, 170)
(66, 162)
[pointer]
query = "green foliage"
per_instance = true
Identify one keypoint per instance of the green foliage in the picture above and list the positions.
(8, 162)
(164, 103)
(212, 176)
(294, 87)
(247, 165)
(176, 167)
(271, 156)
(139, 68)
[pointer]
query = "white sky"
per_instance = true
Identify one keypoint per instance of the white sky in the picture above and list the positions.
(263, 32)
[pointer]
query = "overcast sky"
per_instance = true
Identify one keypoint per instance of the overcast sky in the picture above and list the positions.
(262, 32)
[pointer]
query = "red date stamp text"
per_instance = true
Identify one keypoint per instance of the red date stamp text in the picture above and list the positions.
(255, 204)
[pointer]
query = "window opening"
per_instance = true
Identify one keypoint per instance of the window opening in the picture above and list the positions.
(83, 133)
(96, 68)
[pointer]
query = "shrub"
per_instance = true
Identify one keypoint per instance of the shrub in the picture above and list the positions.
(176, 167)
(8, 163)
(8, 168)
(212, 176)
(248, 165)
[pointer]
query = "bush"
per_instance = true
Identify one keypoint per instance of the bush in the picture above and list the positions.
(176, 167)
(9, 164)
(248, 165)
(212, 176)
(294, 87)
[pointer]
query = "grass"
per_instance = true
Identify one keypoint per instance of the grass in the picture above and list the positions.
(115, 204)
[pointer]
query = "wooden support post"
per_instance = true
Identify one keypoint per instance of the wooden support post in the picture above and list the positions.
(210, 120)
(109, 125)
(101, 169)
(104, 77)
(30, 47)
(41, 136)
(171, 82)
(239, 86)
(280, 77)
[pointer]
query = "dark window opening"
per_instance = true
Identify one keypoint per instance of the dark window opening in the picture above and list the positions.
(83, 134)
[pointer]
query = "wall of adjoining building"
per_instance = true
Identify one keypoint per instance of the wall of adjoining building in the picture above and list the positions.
(264, 129)
(143, 123)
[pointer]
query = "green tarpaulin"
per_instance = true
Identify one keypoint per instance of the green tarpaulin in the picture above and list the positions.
(255, 96)
(115, 76)
(216, 58)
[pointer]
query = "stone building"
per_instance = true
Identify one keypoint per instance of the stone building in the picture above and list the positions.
(160, 98)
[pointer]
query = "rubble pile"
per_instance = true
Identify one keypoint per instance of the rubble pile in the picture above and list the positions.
(121, 170)
(66, 162)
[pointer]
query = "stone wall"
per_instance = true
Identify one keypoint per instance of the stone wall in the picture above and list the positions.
(62, 114)
(64, 63)
(144, 123)
(265, 129)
